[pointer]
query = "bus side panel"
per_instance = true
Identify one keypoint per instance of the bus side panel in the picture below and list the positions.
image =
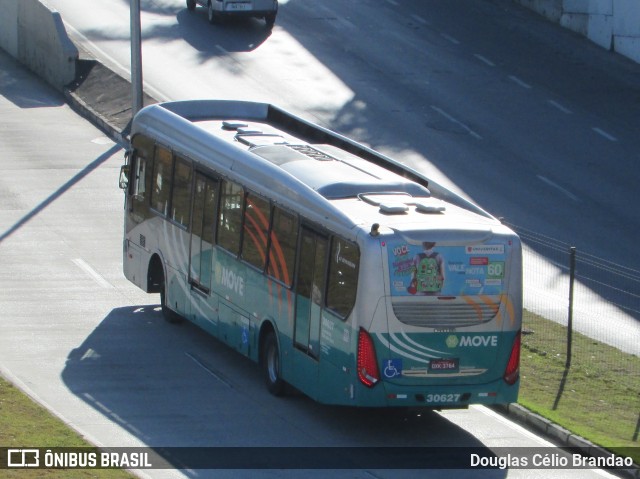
(132, 264)
(337, 360)
(176, 256)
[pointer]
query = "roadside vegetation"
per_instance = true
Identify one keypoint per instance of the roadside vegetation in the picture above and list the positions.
(23, 423)
(597, 398)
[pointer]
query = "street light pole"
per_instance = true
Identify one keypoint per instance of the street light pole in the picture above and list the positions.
(136, 58)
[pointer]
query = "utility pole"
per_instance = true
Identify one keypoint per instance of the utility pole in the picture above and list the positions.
(136, 58)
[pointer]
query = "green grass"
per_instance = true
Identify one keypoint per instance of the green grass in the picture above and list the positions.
(599, 396)
(23, 423)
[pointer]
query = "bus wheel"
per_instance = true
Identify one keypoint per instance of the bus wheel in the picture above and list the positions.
(271, 365)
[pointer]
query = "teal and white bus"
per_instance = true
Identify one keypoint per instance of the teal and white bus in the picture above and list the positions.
(342, 272)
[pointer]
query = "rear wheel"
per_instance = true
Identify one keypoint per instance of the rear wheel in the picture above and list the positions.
(271, 365)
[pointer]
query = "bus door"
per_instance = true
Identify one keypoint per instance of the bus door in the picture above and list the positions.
(200, 258)
(309, 289)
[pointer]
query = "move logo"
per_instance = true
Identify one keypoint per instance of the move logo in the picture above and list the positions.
(233, 281)
(468, 341)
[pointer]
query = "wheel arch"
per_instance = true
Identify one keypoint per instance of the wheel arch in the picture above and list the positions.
(156, 274)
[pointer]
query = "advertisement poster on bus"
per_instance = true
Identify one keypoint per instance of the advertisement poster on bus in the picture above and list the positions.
(428, 269)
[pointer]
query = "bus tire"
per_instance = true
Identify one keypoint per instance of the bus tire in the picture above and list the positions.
(271, 365)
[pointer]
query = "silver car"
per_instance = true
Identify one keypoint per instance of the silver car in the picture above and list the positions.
(217, 10)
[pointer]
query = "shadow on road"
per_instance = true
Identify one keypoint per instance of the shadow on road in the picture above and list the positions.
(138, 371)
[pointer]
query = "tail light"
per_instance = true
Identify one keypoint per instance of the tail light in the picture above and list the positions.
(512, 372)
(368, 372)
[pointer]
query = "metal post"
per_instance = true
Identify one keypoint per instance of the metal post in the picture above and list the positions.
(572, 277)
(136, 58)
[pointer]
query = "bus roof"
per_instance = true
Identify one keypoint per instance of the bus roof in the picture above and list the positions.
(296, 162)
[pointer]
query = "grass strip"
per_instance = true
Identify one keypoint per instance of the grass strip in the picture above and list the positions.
(23, 423)
(597, 398)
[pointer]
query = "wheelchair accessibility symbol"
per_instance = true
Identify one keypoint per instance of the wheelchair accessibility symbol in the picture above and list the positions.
(393, 368)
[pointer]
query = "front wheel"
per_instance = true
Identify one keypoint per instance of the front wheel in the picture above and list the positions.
(271, 365)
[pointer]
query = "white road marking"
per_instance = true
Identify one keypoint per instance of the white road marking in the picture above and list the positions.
(484, 59)
(419, 19)
(450, 38)
(213, 373)
(560, 107)
(520, 82)
(546, 180)
(92, 273)
(604, 134)
(457, 122)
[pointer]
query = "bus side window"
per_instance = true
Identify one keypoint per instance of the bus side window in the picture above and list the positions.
(282, 248)
(257, 217)
(139, 203)
(230, 218)
(343, 276)
(181, 198)
(161, 181)
(140, 176)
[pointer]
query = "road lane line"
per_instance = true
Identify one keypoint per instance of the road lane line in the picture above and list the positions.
(213, 373)
(520, 82)
(604, 134)
(457, 122)
(453, 40)
(546, 180)
(419, 19)
(92, 273)
(484, 59)
(560, 107)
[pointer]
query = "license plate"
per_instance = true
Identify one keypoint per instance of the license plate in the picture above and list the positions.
(444, 365)
(238, 7)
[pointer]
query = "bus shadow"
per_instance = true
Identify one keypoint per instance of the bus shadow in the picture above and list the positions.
(178, 390)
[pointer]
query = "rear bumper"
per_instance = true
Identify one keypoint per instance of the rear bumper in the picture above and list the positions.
(439, 397)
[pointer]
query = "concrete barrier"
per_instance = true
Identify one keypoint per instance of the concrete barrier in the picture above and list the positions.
(34, 33)
(612, 24)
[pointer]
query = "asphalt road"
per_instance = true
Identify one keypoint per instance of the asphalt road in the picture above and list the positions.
(94, 350)
(532, 122)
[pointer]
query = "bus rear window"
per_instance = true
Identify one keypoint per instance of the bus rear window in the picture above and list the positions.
(343, 276)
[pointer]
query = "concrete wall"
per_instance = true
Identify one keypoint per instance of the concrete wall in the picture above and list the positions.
(34, 34)
(612, 24)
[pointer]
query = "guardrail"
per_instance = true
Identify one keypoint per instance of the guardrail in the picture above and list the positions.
(35, 35)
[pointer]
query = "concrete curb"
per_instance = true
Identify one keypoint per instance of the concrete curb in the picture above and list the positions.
(562, 436)
(104, 98)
